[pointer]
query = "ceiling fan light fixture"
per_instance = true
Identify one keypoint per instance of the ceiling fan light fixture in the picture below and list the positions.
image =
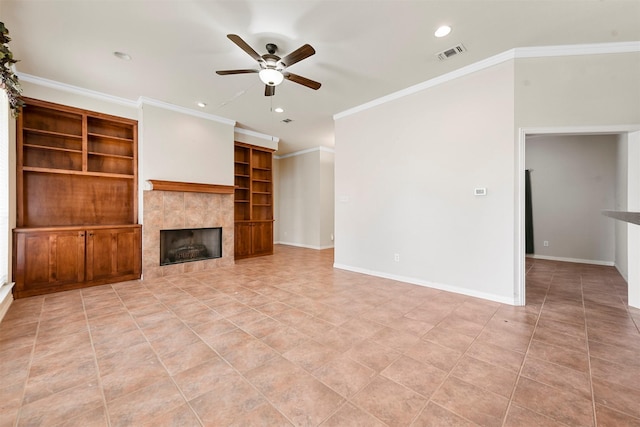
(442, 31)
(271, 77)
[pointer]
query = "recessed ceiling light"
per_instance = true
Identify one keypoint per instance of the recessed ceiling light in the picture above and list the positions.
(123, 56)
(279, 110)
(442, 31)
(201, 104)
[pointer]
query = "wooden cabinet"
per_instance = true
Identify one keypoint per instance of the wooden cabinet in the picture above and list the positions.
(55, 259)
(113, 253)
(253, 238)
(76, 172)
(75, 167)
(253, 201)
(46, 260)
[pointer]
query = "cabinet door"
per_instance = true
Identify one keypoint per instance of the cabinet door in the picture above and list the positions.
(112, 253)
(46, 260)
(262, 238)
(242, 239)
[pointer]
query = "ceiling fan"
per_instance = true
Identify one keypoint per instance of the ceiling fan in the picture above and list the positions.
(273, 69)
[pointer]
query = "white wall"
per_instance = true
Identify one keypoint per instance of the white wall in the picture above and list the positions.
(622, 169)
(573, 180)
(578, 90)
(8, 137)
(181, 147)
(305, 186)
(633, 205)
(327, 198)
(584, 92)
(299, 188)
(405, 178)
(406, 169)
(45, 90)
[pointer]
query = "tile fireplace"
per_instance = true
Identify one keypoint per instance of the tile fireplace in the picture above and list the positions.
(193, 208)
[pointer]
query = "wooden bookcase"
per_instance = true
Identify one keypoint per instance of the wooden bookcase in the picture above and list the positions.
(253, 200)
(76, 174)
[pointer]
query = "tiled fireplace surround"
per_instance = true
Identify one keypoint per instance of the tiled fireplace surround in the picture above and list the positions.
(164, 210)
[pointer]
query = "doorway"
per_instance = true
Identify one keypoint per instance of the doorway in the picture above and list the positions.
(631, 137)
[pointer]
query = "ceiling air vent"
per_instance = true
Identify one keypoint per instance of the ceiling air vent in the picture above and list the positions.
(457, 49)
(287, 121)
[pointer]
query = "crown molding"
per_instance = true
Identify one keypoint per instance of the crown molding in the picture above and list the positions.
(143, 100)
(257, 134)
(120, 101)
(309, 150)
(577, 49)
(517, 53)
(40, 81)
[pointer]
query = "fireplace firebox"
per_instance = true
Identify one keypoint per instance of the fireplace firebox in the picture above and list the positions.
(192, 244)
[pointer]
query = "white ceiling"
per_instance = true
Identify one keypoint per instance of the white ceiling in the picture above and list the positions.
(365, 49)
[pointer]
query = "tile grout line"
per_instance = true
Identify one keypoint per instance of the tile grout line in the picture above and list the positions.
(156, 353)
(31, 357)
(95, 359)
(586, 330)
(526, 353)
(219, 355)
(449, 373)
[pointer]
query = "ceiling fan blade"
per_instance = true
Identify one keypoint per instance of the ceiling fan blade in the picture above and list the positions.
(226, 72)
(244, 46)
(297, 55)
(302, 80)
(269, 90)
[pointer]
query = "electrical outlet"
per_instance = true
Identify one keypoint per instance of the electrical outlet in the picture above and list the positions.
(545, 243)
(396, 257)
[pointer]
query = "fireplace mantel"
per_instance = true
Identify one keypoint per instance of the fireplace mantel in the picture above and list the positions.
(190, 187)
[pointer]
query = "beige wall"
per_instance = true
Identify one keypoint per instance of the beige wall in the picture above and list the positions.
(305, 199)
(180, 147)
(405, 178)
(406, 169)
(115, 106)
(622, 171)
(327, 198)
(578, 90)
(573, 181)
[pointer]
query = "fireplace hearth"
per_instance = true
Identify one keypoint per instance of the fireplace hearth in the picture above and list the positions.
(192, 244)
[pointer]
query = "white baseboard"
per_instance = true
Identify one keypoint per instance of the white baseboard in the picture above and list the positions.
(6, 298)
(576, 260)
(300, 245)
(425, 283)
(622, 273)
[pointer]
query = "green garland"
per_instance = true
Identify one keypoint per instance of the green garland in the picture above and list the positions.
(8, 79)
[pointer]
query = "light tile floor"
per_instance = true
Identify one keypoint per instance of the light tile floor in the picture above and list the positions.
(288, 340)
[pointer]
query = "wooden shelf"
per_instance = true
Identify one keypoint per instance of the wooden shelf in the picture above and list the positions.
(92, 153)
(45, 147)
(51, 133)
(253, 201)
(114, 138)
(191, 187)
(77, 199)
(71, 172)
